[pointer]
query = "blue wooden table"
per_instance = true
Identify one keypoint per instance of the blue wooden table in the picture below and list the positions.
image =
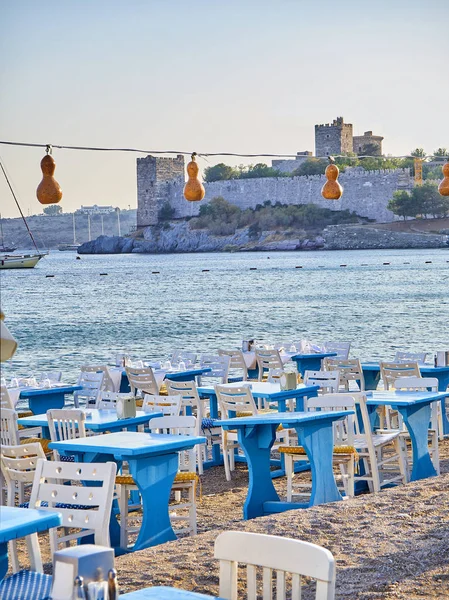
(371, 373)
(187, 375)
(414, 408)
(97, 420)
(310, 362)
(256, 436)
(260, 390)
(42, 399)
(19, 522)
(153, 463)
(165, 593)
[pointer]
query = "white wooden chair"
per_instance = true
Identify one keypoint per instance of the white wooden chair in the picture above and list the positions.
(86, 508)
(5, 398)
(238, 371)
(419, 357)
(329, 381)
(142, 381)
(389, 372)
(192, 404)
(266, 360)
(170, 406)
(108, 383)
(65, 424)
(186, 480)
(345, 454)
(272, 553)
(18, 464)
(219, 365)
(92, 383)
(350, 370)
(10, 434)
(341, 348)
(424, 384)
(108, 400)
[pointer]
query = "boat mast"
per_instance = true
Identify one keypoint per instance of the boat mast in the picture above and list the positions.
(74, 231)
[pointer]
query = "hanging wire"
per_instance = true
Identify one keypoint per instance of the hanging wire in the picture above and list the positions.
(18, 206)
(48, 148)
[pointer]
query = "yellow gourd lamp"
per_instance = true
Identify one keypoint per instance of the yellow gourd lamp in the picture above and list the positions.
(193, 190)
(48, 191)
(443, 188)
(332, 190)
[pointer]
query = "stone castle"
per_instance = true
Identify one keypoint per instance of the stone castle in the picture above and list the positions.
(161, 181)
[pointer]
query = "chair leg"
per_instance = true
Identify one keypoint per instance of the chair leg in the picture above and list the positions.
(435, 450)
(226, 459)
(123, 506)
(351, 477)
(192, 510)
(289, 474)
(399, 446)
(199, 454)
(34, 553)
(12, 550)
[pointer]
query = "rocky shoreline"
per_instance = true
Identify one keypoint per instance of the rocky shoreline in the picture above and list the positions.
(177, 237)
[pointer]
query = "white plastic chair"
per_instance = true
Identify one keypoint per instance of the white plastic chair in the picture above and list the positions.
(350, 370)
(108, 400)
(329, 381)
(419, 357)
(170, 406)
(108, 383)
(142, 381)
(82, 507)
(389, 372)
(238, 371)
(65, 424)
(266, 360)
(219, 365)
(341, 348)
(5, 398)
(52, 376)
(188, 358)
(92, 383)
(272, 553)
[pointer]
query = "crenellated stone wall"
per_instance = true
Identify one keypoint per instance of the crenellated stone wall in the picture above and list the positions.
(365, 192)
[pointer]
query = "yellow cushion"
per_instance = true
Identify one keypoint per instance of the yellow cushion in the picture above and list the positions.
(186, 476)
(42, 441)
(300, 450)
(125, 480)
(25, 413)
(129, 480)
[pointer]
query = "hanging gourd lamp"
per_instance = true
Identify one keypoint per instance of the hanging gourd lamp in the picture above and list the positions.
(48, 191)
(443, 188)
(193, 190)
(332, 190)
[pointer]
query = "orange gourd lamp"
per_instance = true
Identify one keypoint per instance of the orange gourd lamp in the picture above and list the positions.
(193, 190)
(443, 188)
(332, 190)
(48, 191)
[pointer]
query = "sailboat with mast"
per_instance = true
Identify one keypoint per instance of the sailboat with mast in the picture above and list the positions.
(3, 247)
(70, 247)
(19, 261)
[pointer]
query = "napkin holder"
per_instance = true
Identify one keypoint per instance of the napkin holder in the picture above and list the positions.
(86, 560)
(248, 345)
(287, 380)
(443, 358)
(126, 407)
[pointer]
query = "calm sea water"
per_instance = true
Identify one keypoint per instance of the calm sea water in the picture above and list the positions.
(100, 305)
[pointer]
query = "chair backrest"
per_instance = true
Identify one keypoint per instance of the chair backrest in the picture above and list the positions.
(65, 424)
(170, 406)
(9, 431)
(5, 398)
(274, 375)
(389, 372)
(108, 383)
(237, 364)
(272, 553)
(267, 359)
(235, 400)
(18, 464)
(345, 429)
(188, 358)
(190, 399)
(54, 376)
(142, 380)
(328, 381)
(341, 348)
(419, 357)
(92, 383)
(418, 384)
(108, 400)
(350, 370)
(219, 366)
(179, 425)
(85, 507)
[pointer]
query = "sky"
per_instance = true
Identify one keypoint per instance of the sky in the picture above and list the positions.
(242, 76)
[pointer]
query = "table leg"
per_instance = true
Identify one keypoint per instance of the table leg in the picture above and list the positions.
(41, 403)
(417, 419)
(3, 560)
(154, 477)
(124, 384)
(318, 442)
(308, 364)
(256, 443)
(216, 452)
(372, 378)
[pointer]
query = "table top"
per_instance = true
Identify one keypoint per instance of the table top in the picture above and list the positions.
(195, 370)
(165, 593)
(287, 419)
(99, 420)
(55, 389)
(129, 444)
(423, 367)
(296, 355)
(403, 397)
(19, 522)
(264, 389)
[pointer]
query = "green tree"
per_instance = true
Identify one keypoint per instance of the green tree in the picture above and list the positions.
(260, 170)
(166, 212)
(311, 166)
(418, 153)
(441, 153)
(429, 201)
(370, 150)
(220, 172)
(53, 209)
(403, 204)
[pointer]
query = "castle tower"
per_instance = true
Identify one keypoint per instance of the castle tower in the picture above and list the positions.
(154, 175)
(333, 138)
(372, 143)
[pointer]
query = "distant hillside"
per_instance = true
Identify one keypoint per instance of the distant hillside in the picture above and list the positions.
(51, 231)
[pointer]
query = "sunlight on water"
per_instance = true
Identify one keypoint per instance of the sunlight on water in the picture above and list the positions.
(81, 316)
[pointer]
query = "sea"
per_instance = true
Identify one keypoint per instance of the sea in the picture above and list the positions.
(71, 311)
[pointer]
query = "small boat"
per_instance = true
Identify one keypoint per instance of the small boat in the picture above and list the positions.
(70, 247)
(4, 249)
(20, 261)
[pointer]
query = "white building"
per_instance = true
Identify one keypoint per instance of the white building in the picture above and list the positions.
(95, 210)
